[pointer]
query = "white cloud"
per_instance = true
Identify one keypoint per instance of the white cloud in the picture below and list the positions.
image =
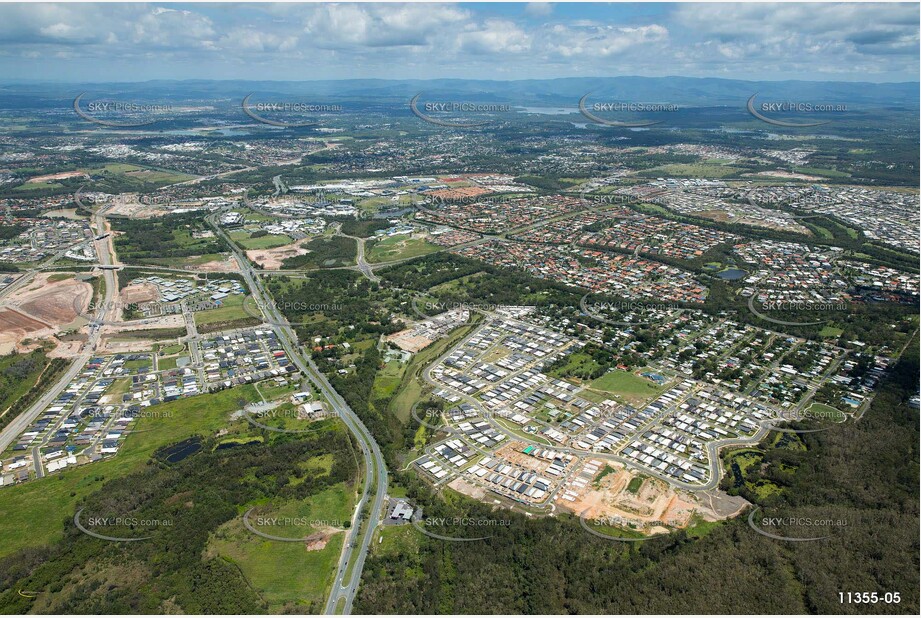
(539, 9)
(745, 40)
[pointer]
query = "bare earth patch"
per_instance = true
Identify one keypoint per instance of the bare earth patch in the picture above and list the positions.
(42, 309)
(139, 293)
(219, 266)
(271, 259)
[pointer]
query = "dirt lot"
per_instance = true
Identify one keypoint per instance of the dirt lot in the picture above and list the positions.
(406, 340)
(41, 309)
(219, 266)
(512, 452)
(649, 507)
(55, 303)
(139, 293)
(108, 346)
(468, 489)
(271, 259)
(15, 326)
(128, 205)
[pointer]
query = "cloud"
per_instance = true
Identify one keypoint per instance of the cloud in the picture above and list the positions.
(495, 37)
(745, 40)
(365, 25)
(539, 9)
(603, 41)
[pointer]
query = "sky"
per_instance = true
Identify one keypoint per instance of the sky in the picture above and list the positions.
(138, 42)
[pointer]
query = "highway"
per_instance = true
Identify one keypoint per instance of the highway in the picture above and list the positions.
(362, 531)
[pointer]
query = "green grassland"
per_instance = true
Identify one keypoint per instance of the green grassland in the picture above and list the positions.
(165, 363)
(19, 373)
(626, 386)
(825, 412)
(325, 252)
(286, 575)
(411, 387)
(577, 363)
(635, 483)
(271, 391)
(42, 505)
(268, 241)
(114, 178)
(692, 170)
(230, 315)
(395, 539)
(388, 379)
(397, 248)
(168, 350)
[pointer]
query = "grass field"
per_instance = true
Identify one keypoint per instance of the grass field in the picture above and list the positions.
(411, 386)
(398, 248)
(830, 331)
(577, 364)
(125, 176)
(174, 348)
(282, 573)
(627, 386)
(18, 374)
(396, 539)
(820, 411)
(231, 311)
(635, 483)
(527, 437)
(42, 506)
(117, 388)
(269, 241)
(388, 379)
(166, 363)
(692, 170)
(272, 391)
(818, 171)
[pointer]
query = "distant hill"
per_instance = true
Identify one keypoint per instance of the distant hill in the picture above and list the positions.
(688, 91)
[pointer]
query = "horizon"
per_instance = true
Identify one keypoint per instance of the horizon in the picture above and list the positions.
(6, 81)
(109, 43)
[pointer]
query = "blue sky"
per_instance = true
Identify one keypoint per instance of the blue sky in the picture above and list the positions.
(137, 42)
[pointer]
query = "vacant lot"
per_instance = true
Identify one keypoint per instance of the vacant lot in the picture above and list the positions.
(626, 386)
(398, 248)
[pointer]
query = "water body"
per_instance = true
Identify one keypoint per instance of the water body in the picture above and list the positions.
(207, 132)
(731, 274)
(181, 450)
(549, 111)
(226, 445)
